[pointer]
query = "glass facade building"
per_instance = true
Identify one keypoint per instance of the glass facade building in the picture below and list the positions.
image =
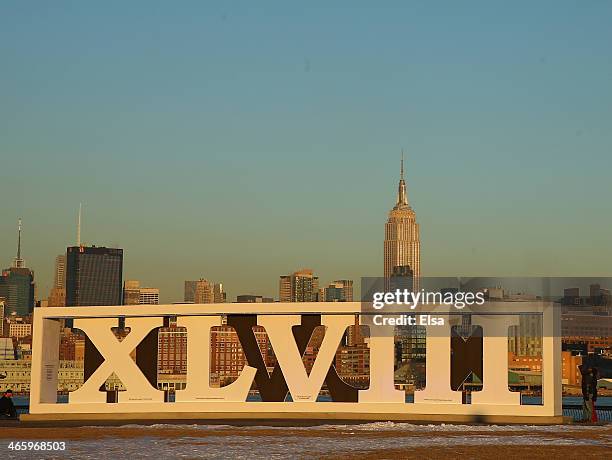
(17, 289)
(94, 276)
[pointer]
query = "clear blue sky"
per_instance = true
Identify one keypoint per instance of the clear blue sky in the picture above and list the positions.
(240, 142)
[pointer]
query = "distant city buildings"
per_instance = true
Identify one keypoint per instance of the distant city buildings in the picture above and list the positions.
(19, 330)
(190, 291)
(526, 370)
(94, 276)
(172, 357)
(586, 332)
(571, 296)
(19, 327)
(134, 294)
(248, 298)
(284, 289)
(598, 297)
(219, 295)
(7, 349)
(149, 296)
(353, 364)
(402, 245)
(353, 355)
(570, 374)
(300, 286)
(17, 287)
(131, 292)
(523, 371)
(227, 356)
(494, 293)
(204, 291)
(3, 323)
(410, 354)
(526, 338)
(72, 346)
(337, 291)
(410, 341)
(59, 280)
(57, 295)
(17, 284)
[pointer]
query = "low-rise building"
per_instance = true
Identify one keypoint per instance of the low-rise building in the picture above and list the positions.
(20, 329)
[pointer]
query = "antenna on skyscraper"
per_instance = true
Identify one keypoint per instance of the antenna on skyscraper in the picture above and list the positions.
(402, 166)
(19, 239)
(18, 262)
(79, 226)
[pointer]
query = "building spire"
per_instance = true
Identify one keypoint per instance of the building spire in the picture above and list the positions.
(18, 262)
(19, 239)
(79, 226)
(402, 194)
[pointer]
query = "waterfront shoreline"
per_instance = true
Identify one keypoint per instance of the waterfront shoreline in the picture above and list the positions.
(482, 452)
(381, 440)
(387, 430)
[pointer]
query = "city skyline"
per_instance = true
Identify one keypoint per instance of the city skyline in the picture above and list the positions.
(401, 243)
(241, 162)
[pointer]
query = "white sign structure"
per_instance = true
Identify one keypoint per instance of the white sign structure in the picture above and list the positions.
(381, 401)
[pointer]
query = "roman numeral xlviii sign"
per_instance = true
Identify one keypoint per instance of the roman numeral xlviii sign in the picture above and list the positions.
(288, 388)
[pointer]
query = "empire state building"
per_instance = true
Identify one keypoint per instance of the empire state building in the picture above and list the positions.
(402, 243)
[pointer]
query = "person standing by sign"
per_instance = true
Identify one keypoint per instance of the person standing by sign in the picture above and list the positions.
(7, 408)
(593, 393)
(585, 375)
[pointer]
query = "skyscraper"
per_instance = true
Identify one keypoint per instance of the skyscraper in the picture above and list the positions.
(60, 272)
(284, 288)
(93, 275)
(2, 323)
(220, 296)
(402, 245)
(204, 291)
(300, 286)
(17, 284)
(57, 296)
(190, 289)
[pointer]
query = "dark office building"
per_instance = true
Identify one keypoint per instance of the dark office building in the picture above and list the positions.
(17, 284)
(94, 276)
(17, 288)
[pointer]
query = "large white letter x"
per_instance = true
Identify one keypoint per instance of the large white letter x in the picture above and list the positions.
(117, 359)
